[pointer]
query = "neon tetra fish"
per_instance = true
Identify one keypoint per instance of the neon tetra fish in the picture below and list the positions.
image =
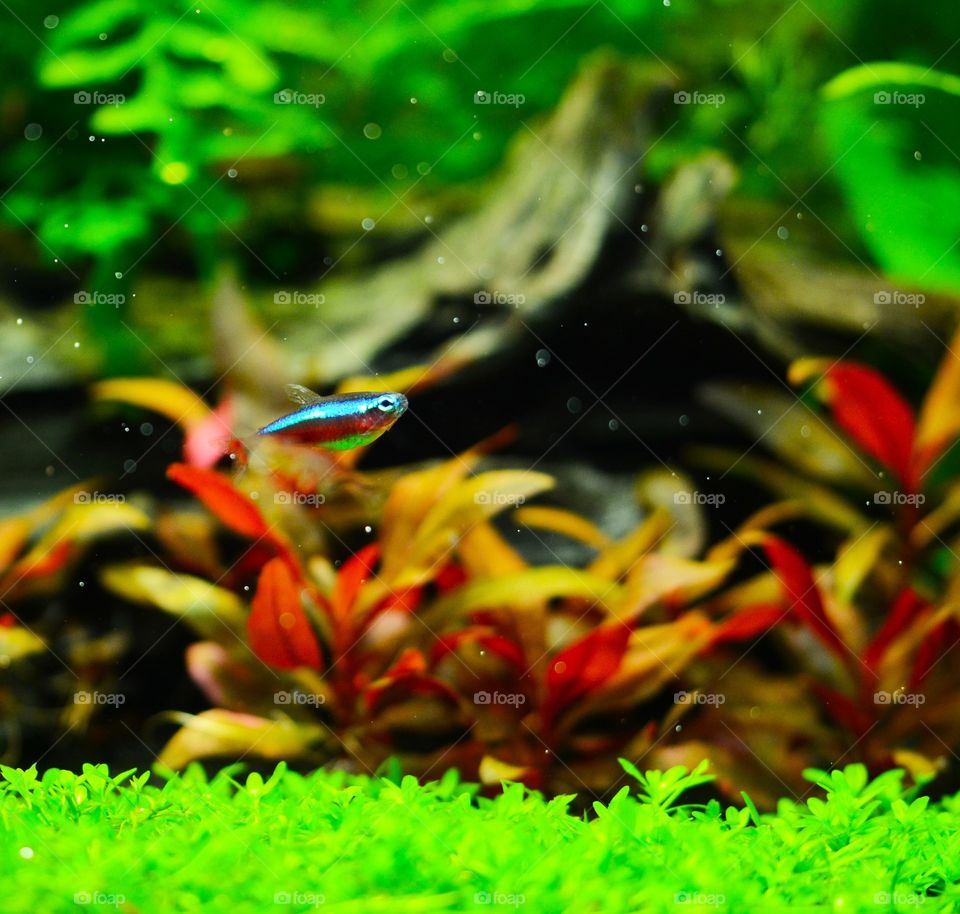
(340, 422)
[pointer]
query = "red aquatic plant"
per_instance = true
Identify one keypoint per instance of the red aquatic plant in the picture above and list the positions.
(438, 641)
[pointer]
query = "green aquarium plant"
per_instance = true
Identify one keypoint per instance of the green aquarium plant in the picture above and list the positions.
(118, 841)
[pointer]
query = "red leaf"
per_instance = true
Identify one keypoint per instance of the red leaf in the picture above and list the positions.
(843, 710)
(497, 644)
(278, 628)
(874, 414)
(356, 570)
(802, 593)
(907, 607)
(250, 563)
(406, 676)
(38, 566)
(408, 600)
(410, 660)
(932, 649)
(234, 509)
(449, 577)
(403, 687)
(747, 624)
(584, 665)
(8, 620)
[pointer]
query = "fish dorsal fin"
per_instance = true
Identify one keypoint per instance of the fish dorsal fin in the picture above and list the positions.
(301, 395)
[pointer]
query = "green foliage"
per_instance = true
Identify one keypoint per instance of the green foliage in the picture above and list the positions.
(187, 143)
(662, 789)
(164, 117)
(168, 101)
(894, 133)
(360, 844)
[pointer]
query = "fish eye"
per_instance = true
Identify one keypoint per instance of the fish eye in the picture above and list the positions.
(387, 403)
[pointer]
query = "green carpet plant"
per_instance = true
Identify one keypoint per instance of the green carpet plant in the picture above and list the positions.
(330, 841)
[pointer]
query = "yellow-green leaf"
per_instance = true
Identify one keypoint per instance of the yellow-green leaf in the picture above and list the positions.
(168, 398)
(667, 577)
(939, 422)
(465, 505)
(566, 523)
(17, 642)
(525, 589)
(663, 489)
(855, 561)
(796, 434)
(227, 733)
(212, 611)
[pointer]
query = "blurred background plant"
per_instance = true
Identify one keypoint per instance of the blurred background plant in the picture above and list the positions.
(167, 138)
(203, 202)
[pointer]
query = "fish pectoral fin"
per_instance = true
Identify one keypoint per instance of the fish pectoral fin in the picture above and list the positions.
(301, 395)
